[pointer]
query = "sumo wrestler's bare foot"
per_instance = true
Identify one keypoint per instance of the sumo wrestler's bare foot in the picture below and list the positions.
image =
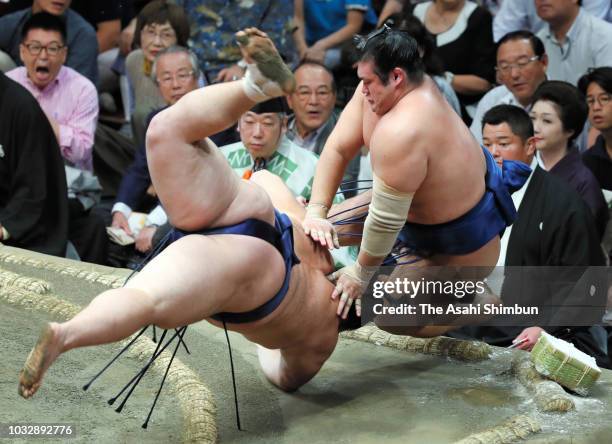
(44, 353)
(265, 68)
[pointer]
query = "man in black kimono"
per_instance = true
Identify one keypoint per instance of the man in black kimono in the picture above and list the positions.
(554, 229)
(33, 203)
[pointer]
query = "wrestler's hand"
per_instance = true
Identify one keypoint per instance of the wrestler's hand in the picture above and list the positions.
(144, 240)
(532, 334)
(351, 282)
(316, 225)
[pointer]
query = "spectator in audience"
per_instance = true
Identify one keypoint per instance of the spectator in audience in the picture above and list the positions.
(322, 27)
(216, 21)
(159, 26)
(464, 37)
(521, 68)
(558, 114)
(70, 102)
(314, 116)
(81, 37)
(33, 203)
(264, 145)
(574, 40)
(554, 228)
(515, 15)
(596, 85)
(175, 71)
(434, 66)
(105, 17)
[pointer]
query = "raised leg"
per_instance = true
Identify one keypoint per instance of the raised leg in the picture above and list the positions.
(192, 178)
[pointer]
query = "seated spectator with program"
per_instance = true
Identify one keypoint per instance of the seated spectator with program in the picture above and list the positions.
(176, 73)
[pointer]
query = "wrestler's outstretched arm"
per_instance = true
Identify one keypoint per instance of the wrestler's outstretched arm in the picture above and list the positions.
(342, 145)
(396, 151)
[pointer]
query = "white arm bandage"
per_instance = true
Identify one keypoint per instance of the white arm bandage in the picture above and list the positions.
(387, 215)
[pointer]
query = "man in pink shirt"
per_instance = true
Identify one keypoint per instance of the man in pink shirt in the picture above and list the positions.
(70, 102)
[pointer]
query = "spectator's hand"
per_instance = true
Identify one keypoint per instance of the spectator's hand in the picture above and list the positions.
(120, 221)
(319, 228)
(229, 74)
(532, 334)
(127, 38)
(144, 240)
(315, 53)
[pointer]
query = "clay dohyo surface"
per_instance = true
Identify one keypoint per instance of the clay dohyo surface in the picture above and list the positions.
(364, 394)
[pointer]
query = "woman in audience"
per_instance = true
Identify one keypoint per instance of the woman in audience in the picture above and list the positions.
(464, 37)
(322, 27)
(558, 114)
(427, 46)
(159, 26)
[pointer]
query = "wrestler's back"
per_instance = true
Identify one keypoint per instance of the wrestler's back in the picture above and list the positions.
(422, 120)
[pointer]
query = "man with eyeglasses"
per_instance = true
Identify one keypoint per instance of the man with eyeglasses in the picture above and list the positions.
(80, 37)
(521, 68)
(314, 117)
(176, 73)
(70, 102)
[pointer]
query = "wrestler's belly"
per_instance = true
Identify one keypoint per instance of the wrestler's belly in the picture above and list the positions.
(307, 315)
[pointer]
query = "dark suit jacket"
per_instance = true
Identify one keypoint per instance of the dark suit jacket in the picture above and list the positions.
(554, 231)
(33, 196)
(137, 179)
